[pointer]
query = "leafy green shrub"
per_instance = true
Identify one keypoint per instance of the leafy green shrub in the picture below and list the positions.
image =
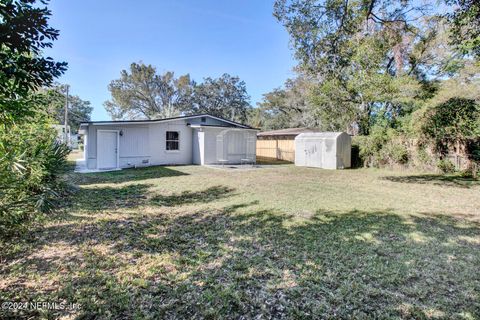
(384, 146)
(445, 166)
(395, 152)
(369, 148)
(358, 155)
(453, 121)
(467, 173)
(423, 156)
(30, 158)
(473, 148)
(31, 167)
(356, 161)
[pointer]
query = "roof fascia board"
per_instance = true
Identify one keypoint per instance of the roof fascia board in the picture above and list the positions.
(222, 127)
(162, 120)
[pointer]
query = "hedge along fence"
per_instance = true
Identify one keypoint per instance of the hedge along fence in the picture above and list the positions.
(400, 151)
(386, 150)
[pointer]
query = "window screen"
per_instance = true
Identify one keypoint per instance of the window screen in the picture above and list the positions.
(236, 143)
(172, 140)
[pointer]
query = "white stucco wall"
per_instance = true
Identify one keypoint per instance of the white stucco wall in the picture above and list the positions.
(144, 144)
(159, 153)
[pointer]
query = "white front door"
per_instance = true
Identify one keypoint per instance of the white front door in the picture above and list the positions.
(107, 149)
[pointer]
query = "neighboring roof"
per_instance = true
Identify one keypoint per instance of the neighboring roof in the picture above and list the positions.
(286, 132)
(319, 135)
(114, 122)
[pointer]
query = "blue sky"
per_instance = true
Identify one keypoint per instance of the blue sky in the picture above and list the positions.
(203, 38)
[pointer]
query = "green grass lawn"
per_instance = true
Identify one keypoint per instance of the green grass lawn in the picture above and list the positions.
(277, 242)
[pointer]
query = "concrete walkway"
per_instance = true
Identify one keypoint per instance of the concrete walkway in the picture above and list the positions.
(243, 167)
(81, 167)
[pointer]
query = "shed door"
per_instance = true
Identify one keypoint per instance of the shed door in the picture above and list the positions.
(107, 149)
(313, 153)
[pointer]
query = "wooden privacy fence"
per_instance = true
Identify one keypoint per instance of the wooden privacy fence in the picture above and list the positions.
(276, 149)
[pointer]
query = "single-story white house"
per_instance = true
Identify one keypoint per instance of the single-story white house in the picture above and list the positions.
(198, 139)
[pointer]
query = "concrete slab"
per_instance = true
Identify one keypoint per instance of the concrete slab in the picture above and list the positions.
(81, 167)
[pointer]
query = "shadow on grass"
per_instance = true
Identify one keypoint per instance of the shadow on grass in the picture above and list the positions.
(127, 175)
(111, 198)
(189, 197)
(272, 161)
(134, 195)
(264, 263)
(440, 180)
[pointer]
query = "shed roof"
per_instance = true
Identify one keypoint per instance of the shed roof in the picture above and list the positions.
(287, 132)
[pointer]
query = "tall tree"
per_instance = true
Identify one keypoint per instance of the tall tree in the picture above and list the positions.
(24, 33)
(31, 160)
(225, 97)
(357, 52)
(142, 93)
(79, 110)
(288, 107)
(271, 113)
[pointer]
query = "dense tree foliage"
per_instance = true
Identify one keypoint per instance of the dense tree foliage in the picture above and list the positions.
(465, 21)
(141, 93)
(31, 160)
(452, 121)
(224, 97)
(24, 33)
(285, 107)
(79, 110)
(383, 68)
(364, 57)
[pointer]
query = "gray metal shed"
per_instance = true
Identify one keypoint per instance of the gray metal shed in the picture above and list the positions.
(327, 150)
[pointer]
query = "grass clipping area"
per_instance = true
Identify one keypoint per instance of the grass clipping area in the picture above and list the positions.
(279, 242)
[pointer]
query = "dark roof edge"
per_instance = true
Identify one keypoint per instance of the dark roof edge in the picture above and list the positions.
(288, 132)
(217, 126)
(168, 119)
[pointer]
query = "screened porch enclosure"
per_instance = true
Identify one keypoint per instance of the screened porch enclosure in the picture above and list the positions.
(235, 146)
(215, 145)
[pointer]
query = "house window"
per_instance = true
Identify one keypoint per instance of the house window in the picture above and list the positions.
(173, 141)
(203, 119)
